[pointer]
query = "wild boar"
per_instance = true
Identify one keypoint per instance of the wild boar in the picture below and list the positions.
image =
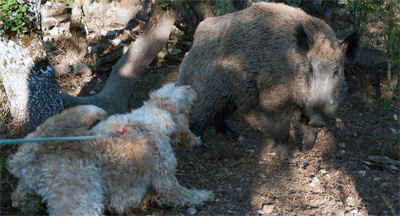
(269, 61)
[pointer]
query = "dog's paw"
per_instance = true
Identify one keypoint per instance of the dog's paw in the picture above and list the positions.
(91, 114)
(203, 196)
(196, 141)
(20, 196)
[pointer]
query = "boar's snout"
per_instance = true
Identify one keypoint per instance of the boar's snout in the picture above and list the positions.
(317, 121)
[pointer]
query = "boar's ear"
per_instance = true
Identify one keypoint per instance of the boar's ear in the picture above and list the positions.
(303, 40)
(350, 46)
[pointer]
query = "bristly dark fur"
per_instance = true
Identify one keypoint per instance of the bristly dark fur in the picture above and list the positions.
(268, 61)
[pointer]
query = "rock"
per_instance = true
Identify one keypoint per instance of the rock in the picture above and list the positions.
(55, 31)
(362, 172)
(49, 23)
(92, 49)
(52, 53)
(99, 81)
(393, 167)
(50, 9)
(109, 33)
(175, 51)
(314, 181)
(102, 46)
(191, 211)
(262, 175)
(171, 66)
(395, 117)
(342, 151)
(82, 69)
(327, 177)
(92, 92)
(207, 156)
(393, 130)
(268, 209)
(241, 139)
(322, 171)
(383, 159)
(339, 123)
(162, 54)
(116, 42)
(342, 145)
(377, 179)
(260, 212)
(106, 15)
(91, 36)
(187, 44)
(47, 38)
(62, 69)
(251, 151)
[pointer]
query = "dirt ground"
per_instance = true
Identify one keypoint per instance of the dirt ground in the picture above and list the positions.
(248, 178)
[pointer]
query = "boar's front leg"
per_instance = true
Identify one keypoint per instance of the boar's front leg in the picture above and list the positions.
(309, 137)
(282, 146)
(277, 125)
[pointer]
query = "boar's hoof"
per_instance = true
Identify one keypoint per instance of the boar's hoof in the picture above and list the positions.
(284, 151)
(317, 121)
(309, 138)
(201, 149)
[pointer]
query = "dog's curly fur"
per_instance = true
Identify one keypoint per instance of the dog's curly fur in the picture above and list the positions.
(85, 177)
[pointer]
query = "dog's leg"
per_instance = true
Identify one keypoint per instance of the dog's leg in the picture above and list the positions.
(125, 191)
(70, 121)
(184, 135)
(169, 191)
(71, 187)
(19, 196)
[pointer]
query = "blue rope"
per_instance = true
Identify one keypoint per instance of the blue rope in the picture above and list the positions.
(50, 139)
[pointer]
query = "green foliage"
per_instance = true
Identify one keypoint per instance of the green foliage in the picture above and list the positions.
(3, 169)
(14, 15)
(221, 7)
(165, 4)
(69, 3)
(392, 101)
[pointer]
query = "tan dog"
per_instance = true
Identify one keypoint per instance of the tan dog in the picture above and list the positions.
(85, 177)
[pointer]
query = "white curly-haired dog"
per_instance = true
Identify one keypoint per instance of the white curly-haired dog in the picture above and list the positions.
(85, 177)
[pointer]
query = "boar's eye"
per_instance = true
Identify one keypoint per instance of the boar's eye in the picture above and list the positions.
(336, 73)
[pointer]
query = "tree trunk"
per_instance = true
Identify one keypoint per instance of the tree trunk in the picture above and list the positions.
(207, 11)
(119, 89)
(27, 76)
(355, 26)
(393, 55)
(79, 43)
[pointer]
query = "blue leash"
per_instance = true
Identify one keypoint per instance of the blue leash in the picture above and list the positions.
(50, 139)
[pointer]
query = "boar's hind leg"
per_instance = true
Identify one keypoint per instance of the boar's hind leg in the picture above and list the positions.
(309, 137)
(222, 125)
